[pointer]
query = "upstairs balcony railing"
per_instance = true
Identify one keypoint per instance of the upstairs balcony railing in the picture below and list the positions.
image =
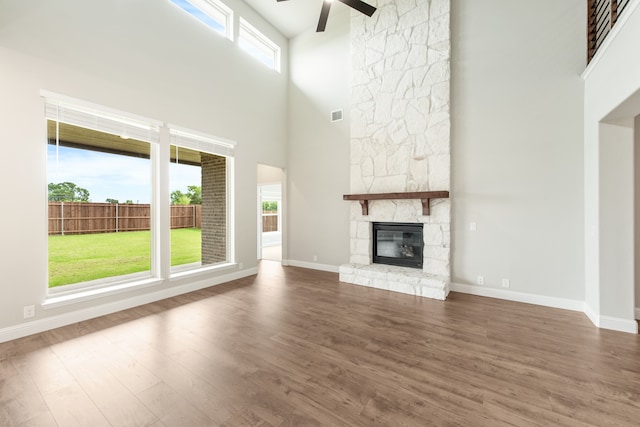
(602, 16)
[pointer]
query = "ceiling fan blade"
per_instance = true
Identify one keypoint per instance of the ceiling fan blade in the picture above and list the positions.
(360, 6)
(324, 14)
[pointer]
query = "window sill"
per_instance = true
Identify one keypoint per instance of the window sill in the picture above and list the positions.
(177, 275)
(54, 301)
(73, 297)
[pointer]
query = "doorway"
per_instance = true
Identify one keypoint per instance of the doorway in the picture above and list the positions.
(270, 213)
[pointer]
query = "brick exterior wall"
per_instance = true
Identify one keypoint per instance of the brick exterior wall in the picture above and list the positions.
(214, 209)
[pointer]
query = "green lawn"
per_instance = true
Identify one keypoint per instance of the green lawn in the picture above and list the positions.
(84, 257)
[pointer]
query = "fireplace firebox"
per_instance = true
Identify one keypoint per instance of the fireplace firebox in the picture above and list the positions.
(397, 244)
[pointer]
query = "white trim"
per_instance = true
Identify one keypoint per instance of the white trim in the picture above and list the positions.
(200, 141)
(311, 265)
(75, 296)
(637, 313)
(605, 322)
(53, 96)
(591, 314)
(631, 7)
(198, 270)
(217, 11)
(613, 323)
(618, 324)
(201, 136)
(250, 35)
(546, 301)
(48, 323)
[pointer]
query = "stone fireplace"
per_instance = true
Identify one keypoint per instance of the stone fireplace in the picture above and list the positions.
(400, 138)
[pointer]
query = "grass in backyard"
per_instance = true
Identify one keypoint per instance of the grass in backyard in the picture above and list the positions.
(84, 257)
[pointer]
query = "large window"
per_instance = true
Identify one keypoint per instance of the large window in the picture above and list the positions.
(103, 183)
(258, 45)
(212, 13)
(199, 199)
(99, 169)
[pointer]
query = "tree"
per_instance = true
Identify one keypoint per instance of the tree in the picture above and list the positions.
(67, 192)
(270, 206)
(112, 201)
(193, 196)
(179, 198)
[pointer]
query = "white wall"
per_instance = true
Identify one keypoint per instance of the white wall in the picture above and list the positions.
(517, 157)
(145, 57)
(269, 175)
(636, 207)
(612, 100)
(318, 172)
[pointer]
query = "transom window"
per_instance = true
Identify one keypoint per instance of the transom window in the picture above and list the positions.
(258, 45)
(212, 13)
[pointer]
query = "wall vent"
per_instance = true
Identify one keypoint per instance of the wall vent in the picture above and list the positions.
(336, 115)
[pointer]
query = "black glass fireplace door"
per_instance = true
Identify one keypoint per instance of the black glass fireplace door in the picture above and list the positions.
(397, 244)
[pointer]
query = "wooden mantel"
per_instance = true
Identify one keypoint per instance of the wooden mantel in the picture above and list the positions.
(423, 196)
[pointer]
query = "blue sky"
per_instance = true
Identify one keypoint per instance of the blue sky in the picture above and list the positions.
(200, 15)
(113, 176)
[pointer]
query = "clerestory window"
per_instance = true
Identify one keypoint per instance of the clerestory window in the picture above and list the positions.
(258, 45)
(212, 13)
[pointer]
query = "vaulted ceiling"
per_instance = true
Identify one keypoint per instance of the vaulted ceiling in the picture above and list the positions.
(293, 17)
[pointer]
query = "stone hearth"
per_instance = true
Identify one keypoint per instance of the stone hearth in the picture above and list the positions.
(400, 138)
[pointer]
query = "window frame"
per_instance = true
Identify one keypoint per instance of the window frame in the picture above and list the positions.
(198, 141)
(250, 35)
(63, 109)
(215, 10)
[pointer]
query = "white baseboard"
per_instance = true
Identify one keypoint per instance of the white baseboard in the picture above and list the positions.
(311, 265)
(591, 314)
(564, 303)
(617, 324)
(613, 323)
(48, 323)
(605, 322)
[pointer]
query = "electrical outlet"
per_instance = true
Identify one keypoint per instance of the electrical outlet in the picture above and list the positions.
(315, 257)
(240, 266)
(29, 311)
(506, 283)
(480, 280)
(473, 226)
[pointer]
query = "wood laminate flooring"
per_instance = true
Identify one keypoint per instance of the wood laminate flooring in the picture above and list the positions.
(294, 347)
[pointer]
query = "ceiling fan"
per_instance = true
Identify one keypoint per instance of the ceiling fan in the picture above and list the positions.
(358, 5)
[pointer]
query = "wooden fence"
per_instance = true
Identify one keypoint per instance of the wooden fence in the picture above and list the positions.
(602, 15)
(87, 218)
(269, 221)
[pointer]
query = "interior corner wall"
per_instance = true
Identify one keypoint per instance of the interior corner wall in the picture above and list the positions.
(612, 101)
(147, 58)
(636, 228)
(616, 221)
(517, 146)
(318, 171)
